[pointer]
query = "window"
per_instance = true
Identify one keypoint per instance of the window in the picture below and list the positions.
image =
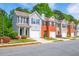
(43, 22)
(17, 19)
(24, 20)
(27, 20)
(52, 23)
(64, 25)
(32, 21)
(47, 23)
(21, 19)
(35, 21)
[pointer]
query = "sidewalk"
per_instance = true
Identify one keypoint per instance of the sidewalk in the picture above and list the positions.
(42, 40)
(63, 39)
(18, 44)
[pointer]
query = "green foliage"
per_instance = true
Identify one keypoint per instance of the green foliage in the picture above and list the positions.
(22, 9)
(8, 31)
(3, 16)
(12, 34)
(58, 14)
(45, 36)
(43, 8)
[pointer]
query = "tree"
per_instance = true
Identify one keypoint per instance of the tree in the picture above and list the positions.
(43, 8)
(69, 18)
(5, 24)
(22, 9)
(3, 21)
(58, 14)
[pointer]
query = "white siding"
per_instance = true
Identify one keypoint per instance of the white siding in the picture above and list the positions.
(35, 30)
(77, 30)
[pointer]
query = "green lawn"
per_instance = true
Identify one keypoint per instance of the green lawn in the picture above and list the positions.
(21, 41)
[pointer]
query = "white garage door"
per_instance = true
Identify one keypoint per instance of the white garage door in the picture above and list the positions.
(52, 34)
(35, 34)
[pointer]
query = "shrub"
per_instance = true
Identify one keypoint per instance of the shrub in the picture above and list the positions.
(13, 34)
(5, 39)
(23, 37)
(18, 37)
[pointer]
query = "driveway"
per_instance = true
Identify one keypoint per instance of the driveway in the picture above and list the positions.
(67, 48)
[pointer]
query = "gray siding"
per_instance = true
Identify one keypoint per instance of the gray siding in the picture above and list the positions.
(14, 21)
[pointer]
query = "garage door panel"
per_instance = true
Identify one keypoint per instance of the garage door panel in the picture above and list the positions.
(35, 34)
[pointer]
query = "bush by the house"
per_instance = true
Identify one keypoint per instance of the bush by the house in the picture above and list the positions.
(5, 39)
(18, 37)
(23, 37)
(13, 34)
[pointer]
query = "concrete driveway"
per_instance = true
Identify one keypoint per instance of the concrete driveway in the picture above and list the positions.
(67, 48)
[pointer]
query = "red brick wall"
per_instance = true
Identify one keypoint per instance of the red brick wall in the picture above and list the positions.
(48, 29)
(71, 29)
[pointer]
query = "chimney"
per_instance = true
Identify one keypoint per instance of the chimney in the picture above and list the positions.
(43, 16)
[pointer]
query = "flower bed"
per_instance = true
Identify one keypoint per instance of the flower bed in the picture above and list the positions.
(21, 37)
(5, 39)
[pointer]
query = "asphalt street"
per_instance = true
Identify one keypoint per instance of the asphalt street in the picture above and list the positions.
(67, 48)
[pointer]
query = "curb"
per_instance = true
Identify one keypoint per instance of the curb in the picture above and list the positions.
(18, 44)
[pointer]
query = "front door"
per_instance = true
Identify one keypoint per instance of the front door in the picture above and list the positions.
(27, 32)
(58, 30)
(21, 31)
(69, 31)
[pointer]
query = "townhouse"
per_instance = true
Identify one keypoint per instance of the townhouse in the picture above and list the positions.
(37, 26)
(77, 30)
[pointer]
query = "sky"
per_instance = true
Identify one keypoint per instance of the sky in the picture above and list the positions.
(68, 8)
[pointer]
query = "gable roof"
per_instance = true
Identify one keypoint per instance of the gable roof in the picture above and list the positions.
(37, 15)
(20, 13)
